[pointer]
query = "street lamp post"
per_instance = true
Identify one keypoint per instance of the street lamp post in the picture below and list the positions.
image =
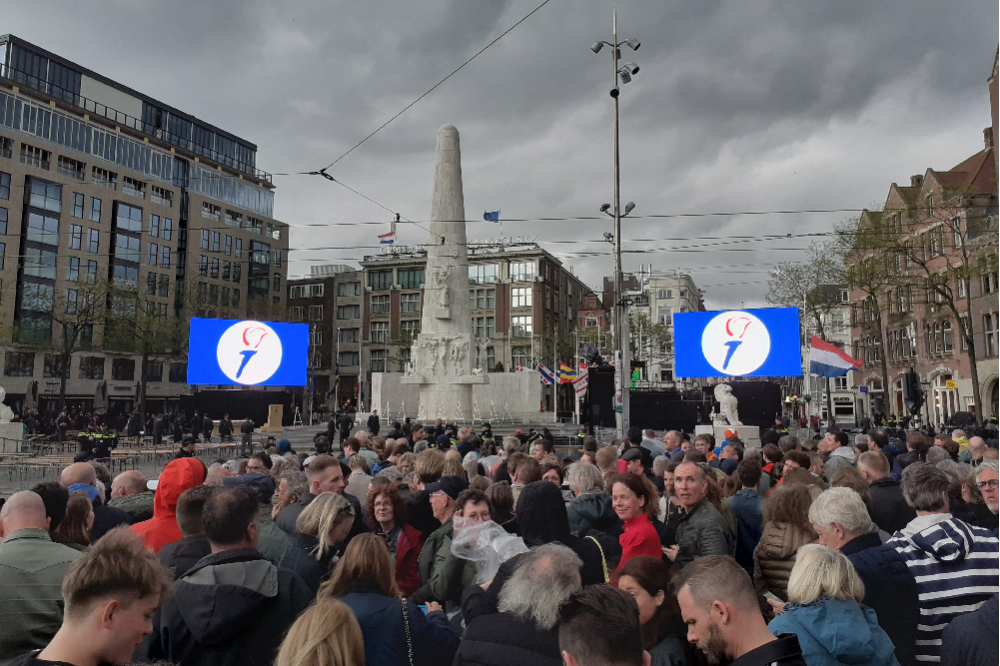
(622, 74)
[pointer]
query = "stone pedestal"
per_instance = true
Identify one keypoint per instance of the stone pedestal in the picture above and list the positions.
(750, 435)
(274, 416)
(12, 435)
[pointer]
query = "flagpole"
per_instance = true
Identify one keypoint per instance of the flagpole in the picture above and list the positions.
(576, 396)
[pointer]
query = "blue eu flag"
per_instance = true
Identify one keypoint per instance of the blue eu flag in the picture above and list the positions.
(492, 217)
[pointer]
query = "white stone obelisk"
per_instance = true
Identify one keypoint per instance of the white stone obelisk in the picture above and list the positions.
(442, 354)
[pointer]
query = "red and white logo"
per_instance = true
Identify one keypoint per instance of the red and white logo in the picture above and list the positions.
(249, 352)
(735, 343)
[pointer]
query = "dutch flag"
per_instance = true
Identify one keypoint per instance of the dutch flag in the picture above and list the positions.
(827, 360)
(387, 239)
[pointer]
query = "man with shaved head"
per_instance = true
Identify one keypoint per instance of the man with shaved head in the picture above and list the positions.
(130, 494)
(32, 568)
(105, 517)
(719, 607)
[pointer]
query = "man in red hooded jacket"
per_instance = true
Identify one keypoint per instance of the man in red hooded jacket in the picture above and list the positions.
(177, 477)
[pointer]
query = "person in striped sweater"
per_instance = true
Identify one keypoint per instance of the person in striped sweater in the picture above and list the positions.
(955, 565)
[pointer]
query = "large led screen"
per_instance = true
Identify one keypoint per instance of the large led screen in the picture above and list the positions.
(248, 353)
(738, 343)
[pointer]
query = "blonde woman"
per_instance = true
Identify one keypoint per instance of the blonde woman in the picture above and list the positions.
(824, 610)
(319, 531)
(326, 634)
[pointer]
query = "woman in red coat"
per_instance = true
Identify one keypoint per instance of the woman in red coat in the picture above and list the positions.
(630, 498)
(387, 519)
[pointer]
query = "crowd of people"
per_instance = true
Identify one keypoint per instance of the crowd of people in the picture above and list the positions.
(443, 545)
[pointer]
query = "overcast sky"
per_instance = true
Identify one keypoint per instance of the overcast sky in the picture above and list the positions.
(739, 106)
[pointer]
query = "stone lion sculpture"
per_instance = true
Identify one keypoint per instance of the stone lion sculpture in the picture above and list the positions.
(727, 404)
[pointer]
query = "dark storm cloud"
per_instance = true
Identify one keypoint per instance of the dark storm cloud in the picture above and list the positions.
(739, 106)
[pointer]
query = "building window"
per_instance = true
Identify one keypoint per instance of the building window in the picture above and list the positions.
(348, 358)
(216, 241)
(165, 256)
(78, 202)
(276, 282)
(203, 265)
(238, 252)
(410, 278)
(4, 185)
(379, 332)
(153, 254)
(167, 229)
(45, 195)
(520, 297)
(297, 291)
(409, 303)
(162, 196)
(590, 322)
(227, 246)
(483, 273)
(522, 271)
(349, 289)
(380, 305)
(43, 229)
(133, 187)
(90, 275)
(19, 364)
(521, 356)
(348, 312)
(315, 313)
(350, 334)
(225, 297)
(35, 156)
(409, 329)
(380, 280)
(92, 367)
(236, 296)
(214, 270)
(237, 272)
(520, 327)
(122, 369)
(227, 270)
(483, 327)
(178, 373)
(104, 178)
(129, 218)
(254, 225)
(990, 333)
(316, 339)
(40, 263)
(482, 299)
(296, 313)
(154, 371)
(210, 212)
(6, 147)
(378, 360)
(206, 239)
(154, 226)
(73, 270)
(71, 168)
(127, 248)
(947, 336)
(277, 258)
(164, 285)
(93, 241)
(53, 366)
(75, 237)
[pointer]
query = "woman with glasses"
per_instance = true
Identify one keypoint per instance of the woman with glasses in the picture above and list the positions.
(386, 512)
(320, 530)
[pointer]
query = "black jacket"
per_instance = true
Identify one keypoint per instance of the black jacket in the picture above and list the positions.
(182, 555)
(502, 639)
(301, 560)
(419, 514)
(541, 518)
(783, 652)
(231, 609)
(290, 514)
(971, 639)
(887, 508)
(890, 591)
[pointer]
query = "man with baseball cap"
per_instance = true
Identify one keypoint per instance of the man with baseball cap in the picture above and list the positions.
(432, 565)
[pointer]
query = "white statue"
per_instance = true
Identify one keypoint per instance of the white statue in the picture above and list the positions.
(481, 346)
(727, 404)
(6, 413)
(439, 281)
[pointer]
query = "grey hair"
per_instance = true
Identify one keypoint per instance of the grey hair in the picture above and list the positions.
(471, 467)
(660, 463)
(582, 478)
(391, 473)
(470, 456)
(512, 444)
(861, 438)
(821, 571)
(925, 487)
(298, 484)
(842, 506)
(280, 464)
(987, 464)
(544, 578)
(936, 454)
(420, 447)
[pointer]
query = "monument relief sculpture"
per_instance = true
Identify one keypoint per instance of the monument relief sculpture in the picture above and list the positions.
(727, 405)
(6, 413)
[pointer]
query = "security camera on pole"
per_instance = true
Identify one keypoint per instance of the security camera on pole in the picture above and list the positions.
(623, 366)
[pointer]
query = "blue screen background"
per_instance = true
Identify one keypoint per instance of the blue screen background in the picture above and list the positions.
(784, 359)
(203, 364)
